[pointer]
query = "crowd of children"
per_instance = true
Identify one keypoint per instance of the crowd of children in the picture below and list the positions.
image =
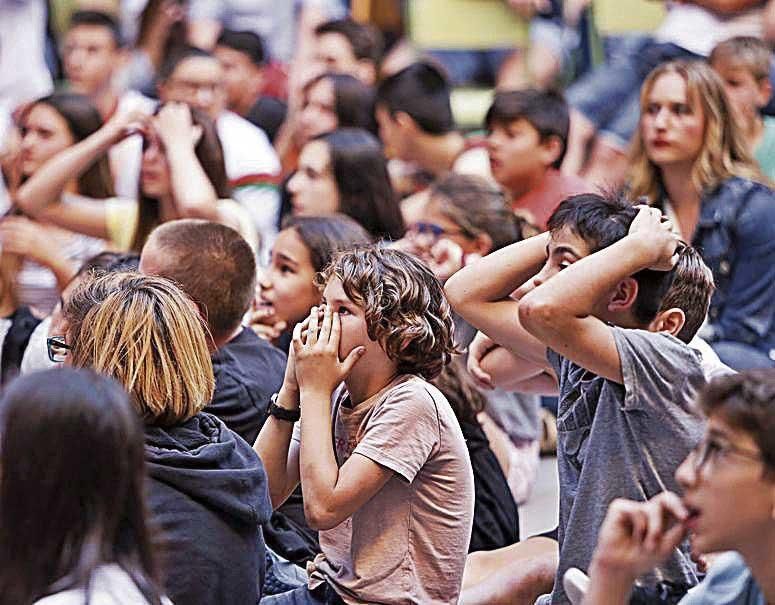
(273, 329)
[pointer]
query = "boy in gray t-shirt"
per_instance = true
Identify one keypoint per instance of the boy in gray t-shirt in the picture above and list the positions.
(608, 301)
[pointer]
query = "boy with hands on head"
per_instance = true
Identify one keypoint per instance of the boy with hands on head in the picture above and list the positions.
(605, 303)
(382, 462)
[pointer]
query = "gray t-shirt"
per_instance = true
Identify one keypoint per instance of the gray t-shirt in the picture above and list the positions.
(623, 441)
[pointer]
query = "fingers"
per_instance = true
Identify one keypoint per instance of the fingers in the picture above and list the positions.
(312, 332)
(482, 378)
(352, 358)
(297, 341)
(326, 326)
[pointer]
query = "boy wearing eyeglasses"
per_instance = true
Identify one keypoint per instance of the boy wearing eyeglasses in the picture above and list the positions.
(606, 303)
(728, 504)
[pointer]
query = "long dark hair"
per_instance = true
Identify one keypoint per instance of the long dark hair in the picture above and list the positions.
(325, 236)
(83, 120)
(71, 486)
(365, 193)
(210, 155)
(353, 101)
(177, 37)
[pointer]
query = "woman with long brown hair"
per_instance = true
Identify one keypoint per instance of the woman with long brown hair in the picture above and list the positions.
(207, 489)
(73, 519)
(182, 176)
(690, 159)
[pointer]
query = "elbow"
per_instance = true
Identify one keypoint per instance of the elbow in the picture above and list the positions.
(536, 313)
(455, 290)
(319, 517)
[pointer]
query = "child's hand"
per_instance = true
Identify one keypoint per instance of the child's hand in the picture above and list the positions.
(637, 536)
(657, 232)
(316, 348)
(479, 347)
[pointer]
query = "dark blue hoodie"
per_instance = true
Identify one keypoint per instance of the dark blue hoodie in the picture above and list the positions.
(208, 497)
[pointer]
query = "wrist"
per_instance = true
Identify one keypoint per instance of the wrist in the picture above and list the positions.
(645, 252)
(614, 574)
(288, 397)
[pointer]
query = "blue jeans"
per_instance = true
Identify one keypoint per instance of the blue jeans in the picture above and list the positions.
(322, 595)
(609, 95)
(740, 356)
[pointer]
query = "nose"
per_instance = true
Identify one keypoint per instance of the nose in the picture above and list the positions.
(661, 119)
(264, 281)
(295, 182)
(686, 473)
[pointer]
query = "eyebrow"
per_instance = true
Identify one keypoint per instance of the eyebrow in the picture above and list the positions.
(287, 258)
(562, 249)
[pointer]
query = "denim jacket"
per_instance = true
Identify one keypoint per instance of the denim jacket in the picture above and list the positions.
(736, 237)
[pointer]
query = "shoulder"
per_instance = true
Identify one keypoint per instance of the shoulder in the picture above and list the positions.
(728, 581)
(111, 585)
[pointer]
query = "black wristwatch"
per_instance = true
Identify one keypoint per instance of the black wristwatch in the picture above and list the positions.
(280, 412)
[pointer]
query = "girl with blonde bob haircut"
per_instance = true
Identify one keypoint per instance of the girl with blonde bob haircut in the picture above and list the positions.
(207, 488)
(690, 159)
(157, 350)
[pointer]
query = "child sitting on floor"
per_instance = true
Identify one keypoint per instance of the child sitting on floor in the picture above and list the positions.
(383, 465)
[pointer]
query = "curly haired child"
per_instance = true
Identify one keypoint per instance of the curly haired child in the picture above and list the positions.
(383, 465)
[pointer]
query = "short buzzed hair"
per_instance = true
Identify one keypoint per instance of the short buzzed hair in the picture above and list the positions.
(213, 264)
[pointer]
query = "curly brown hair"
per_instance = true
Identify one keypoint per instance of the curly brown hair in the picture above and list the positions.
(404, 306)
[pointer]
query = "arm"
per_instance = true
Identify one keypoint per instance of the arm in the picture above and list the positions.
(748, 294)
(726, 7)
(274, 444)
(331, 494)
(41, 196)
(559, 312)
(480, 293)
(194, 194)
(634, 538)
(24, 237)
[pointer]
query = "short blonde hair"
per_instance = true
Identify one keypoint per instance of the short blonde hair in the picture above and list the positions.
(404, 304)
(146, 333)
(724, 151)
(747, 52)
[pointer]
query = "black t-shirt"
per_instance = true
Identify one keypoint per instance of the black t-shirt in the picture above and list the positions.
(248, 371)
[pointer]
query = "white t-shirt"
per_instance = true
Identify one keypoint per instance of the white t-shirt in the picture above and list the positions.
(126, 157)
(698, 30)
(253, 169)
(111, 585)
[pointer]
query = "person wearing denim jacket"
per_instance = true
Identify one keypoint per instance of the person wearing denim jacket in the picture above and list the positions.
(690, 158)
(736, 236)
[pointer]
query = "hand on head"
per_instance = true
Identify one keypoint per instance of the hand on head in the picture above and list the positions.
(657, 231)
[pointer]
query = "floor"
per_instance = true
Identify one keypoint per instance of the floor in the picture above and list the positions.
(539, 513)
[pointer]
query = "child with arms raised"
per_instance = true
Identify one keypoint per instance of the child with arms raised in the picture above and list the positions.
(592, 316)
(392, 491)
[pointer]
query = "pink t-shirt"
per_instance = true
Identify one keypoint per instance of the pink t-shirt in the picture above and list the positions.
(540, 202)
(407, 544)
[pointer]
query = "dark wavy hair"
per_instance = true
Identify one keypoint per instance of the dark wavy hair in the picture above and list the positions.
(72, 488)
(365, 193)
(404, 305)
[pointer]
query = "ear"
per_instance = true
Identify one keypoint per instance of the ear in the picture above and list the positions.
(405, 123)
(551, 149)
(765, 92)
(623, 296)
(482, 244)
(670, 321)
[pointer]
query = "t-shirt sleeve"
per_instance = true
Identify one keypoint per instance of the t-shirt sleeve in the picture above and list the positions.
(121, 221)
(403, 431)
(657, 368)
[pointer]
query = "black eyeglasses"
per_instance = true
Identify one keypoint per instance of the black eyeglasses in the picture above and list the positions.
(57, 348)
(712, 449)
(436, 230)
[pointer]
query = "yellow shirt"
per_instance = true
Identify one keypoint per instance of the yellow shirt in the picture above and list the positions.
(122, 215)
